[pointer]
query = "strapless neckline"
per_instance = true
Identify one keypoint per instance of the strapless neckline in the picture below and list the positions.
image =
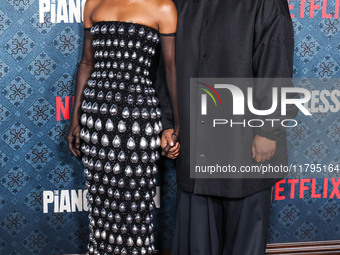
(123, 22)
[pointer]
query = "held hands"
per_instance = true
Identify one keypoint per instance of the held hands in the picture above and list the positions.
(169, 144)
(263, 148)
(73, 138)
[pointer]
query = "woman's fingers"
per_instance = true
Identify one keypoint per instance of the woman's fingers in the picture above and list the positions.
(70, 145)
(73, 141)
(77, 144)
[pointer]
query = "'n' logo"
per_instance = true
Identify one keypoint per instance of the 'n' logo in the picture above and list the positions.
(204, 97)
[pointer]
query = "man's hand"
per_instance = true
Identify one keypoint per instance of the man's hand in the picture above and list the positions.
(168, 141)
(263, 148)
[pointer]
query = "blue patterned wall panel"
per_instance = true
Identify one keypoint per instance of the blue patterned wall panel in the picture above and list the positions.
(38, 63)
(316, 139)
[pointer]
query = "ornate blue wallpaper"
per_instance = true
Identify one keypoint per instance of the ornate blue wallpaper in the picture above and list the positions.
(316, 140)
(42, 192)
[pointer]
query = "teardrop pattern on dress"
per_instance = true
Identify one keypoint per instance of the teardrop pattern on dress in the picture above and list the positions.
(120, 139)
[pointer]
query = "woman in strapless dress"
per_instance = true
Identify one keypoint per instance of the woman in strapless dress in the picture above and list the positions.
(116, 122)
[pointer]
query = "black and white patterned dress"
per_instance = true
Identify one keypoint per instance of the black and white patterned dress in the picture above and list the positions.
(120, 138)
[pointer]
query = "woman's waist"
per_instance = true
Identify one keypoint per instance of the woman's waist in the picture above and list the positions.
(121, 94)
(142, 86)
(122, 74)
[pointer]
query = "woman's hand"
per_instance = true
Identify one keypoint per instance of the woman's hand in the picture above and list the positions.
(73, 138)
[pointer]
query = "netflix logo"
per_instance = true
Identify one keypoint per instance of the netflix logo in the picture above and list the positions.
(63, 108)
(306, 188)
(309, 8)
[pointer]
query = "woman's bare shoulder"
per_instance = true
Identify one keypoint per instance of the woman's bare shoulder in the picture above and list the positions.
(163, 8)
(90, 5)
(166, 15)
(165, 5)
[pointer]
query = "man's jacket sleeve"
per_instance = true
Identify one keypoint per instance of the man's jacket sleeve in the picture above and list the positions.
(273, 58)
